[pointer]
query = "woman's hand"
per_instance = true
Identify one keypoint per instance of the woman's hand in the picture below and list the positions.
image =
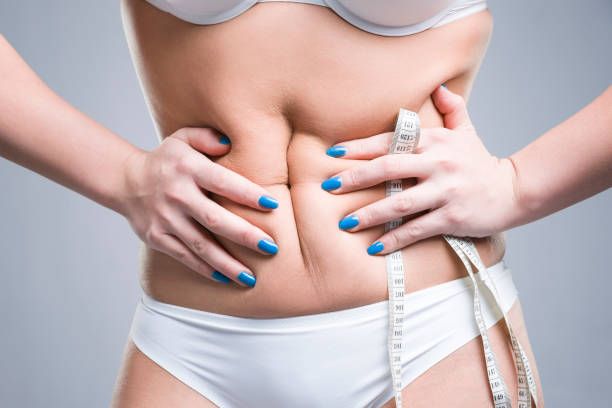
(168, 209)
(464, 190)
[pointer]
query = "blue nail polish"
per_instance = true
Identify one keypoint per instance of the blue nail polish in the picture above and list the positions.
(267, 246)
(224, 140)
(348, 222)
(247, 279)
(375, 248)
(220, 277)
(336, 151)
(267, 202)
(331, 183)
(444, 85)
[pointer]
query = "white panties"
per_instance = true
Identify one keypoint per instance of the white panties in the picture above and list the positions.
(332, 359)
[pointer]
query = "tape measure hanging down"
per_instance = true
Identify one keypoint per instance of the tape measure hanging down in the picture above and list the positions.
(405, 139)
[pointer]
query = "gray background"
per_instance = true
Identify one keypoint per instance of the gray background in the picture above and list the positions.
(69, 267)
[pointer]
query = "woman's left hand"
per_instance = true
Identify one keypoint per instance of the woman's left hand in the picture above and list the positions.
(468, 191)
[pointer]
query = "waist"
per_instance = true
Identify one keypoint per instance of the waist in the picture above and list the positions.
(276, 83)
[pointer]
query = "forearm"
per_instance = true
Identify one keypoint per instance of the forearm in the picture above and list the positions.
(569, 163)
(43, 133)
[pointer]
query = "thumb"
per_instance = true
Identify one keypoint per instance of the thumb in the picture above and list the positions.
(204, 140)
(452, 107)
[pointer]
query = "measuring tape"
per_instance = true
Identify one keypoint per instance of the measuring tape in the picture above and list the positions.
(405, 139)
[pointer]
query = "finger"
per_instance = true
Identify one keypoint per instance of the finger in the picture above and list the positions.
(430, 137)
(205, 140)
(375, 171)
(174, 247)
(225, 223)
(413, 200)
(452, 107)
(204, 246)
(227, 183)
(366, 148)
(416, 229)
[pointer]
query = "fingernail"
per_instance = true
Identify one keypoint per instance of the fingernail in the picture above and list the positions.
(267, 202)
(375, 248)
(224, 140)
(267, 246)
(331, 183)
(444, 85)
(247, 279)
(218, 276)
(336, 151)
(348, 222)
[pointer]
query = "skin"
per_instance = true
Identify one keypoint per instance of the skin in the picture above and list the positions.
(199, 212)
(282, 106)
(506, 195)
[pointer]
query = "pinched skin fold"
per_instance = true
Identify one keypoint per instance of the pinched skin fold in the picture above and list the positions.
(285, 82)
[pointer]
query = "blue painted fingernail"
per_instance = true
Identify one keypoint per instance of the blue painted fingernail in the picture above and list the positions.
(220, 277)
(267, 202)
(348, 222)
(267, 246)
(444, 85)
(375, 248)
(331, 183)
(336, 151)
(224, 140)
(247, 279)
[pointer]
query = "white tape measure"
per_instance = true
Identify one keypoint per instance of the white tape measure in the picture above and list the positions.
(405, 140)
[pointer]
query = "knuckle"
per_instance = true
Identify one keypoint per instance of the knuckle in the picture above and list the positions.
(199, 246)
(217, 177)
(211, 220)
(395, 240)
(175, 193)
(437, 135)
(247, 237)
(388, 166)
(185, 164)
(402, 203)
(164, 218)
(452, 190)
(448, 164)
(200, 266)
(455, 217)
(365, 217)
(153, 237)
(413, 230)
(352, 177)
(178, 254)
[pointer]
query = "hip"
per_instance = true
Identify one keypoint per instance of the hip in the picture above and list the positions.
(294, 286)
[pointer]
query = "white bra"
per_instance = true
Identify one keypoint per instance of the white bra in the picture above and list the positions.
(385, 17)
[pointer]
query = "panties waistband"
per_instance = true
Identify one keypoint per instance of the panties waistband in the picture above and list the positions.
(414, 302)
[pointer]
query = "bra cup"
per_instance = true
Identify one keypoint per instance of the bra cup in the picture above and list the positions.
(204, 11)
(384, 17)
(213, 8)
(394, 13)
(404, 20)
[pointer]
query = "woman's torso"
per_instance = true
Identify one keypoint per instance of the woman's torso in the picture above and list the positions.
(285, 81)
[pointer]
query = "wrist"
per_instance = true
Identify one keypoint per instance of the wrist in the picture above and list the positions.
(128, 181)
(521, 205)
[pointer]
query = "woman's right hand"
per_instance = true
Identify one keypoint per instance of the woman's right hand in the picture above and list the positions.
(167, 206)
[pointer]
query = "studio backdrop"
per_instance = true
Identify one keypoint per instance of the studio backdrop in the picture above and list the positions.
(69, 268)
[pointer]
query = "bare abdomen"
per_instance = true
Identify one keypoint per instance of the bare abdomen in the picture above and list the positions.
(284, 82)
